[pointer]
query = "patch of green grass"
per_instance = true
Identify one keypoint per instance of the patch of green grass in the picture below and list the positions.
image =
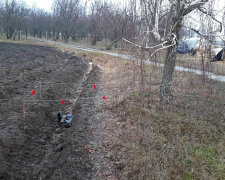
(206, 153)
(157, 117)
(188, 176)
(188, 161)
(137, 96)
(208, 159)
(136, 110)
(217, 102)
(146, 94)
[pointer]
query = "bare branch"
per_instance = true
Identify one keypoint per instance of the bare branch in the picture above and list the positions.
(197, 31)
(194, 6)
(145, 48)
(203, 35)
(211, 15)
(163, 45)
(174, 42)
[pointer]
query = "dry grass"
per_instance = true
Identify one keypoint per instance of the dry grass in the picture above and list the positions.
(147, 140)
(182, 141)
(185, 140)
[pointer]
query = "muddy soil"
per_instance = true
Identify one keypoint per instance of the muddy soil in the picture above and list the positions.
(32, 145)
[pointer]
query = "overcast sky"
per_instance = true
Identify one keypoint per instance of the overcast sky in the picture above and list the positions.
(46, 4)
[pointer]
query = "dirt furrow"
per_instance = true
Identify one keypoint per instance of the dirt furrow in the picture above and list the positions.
(38, 148)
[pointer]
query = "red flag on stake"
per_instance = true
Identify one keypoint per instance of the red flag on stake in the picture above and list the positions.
(63, 102)
(33, 92)
(94, 86)
(104, 97)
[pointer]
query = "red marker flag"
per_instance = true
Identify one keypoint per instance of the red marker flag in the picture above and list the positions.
(104, 97)
(94, 86)
(33, 92)
(63, 102)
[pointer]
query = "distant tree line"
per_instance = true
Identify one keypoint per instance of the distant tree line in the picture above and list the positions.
(69, 19)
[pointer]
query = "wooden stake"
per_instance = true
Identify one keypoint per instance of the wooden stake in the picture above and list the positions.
(40, 89)
(24, 110)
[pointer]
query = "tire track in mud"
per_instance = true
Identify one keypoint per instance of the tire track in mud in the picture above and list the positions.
(53, 158)
(82, 156)
(80, 87)
(79, 164)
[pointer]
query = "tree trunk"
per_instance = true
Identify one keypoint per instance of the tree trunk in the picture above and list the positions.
(93, 40)
(166, 94)
(14, 35)
(54, 35)
(9, 33)
(40, 34)
(114, 42)
(19, 35)
(66, 37)
(57, 36)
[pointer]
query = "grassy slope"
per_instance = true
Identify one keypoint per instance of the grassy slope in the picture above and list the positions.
(185, 140)
(181, 141)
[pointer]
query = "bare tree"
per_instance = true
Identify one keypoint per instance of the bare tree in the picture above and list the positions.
(66, 12)
(13, 18)
(181, 10)
(94, 26)
(173, 12)
(1, 17)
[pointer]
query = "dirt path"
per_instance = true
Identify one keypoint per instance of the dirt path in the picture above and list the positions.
(210, 75)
